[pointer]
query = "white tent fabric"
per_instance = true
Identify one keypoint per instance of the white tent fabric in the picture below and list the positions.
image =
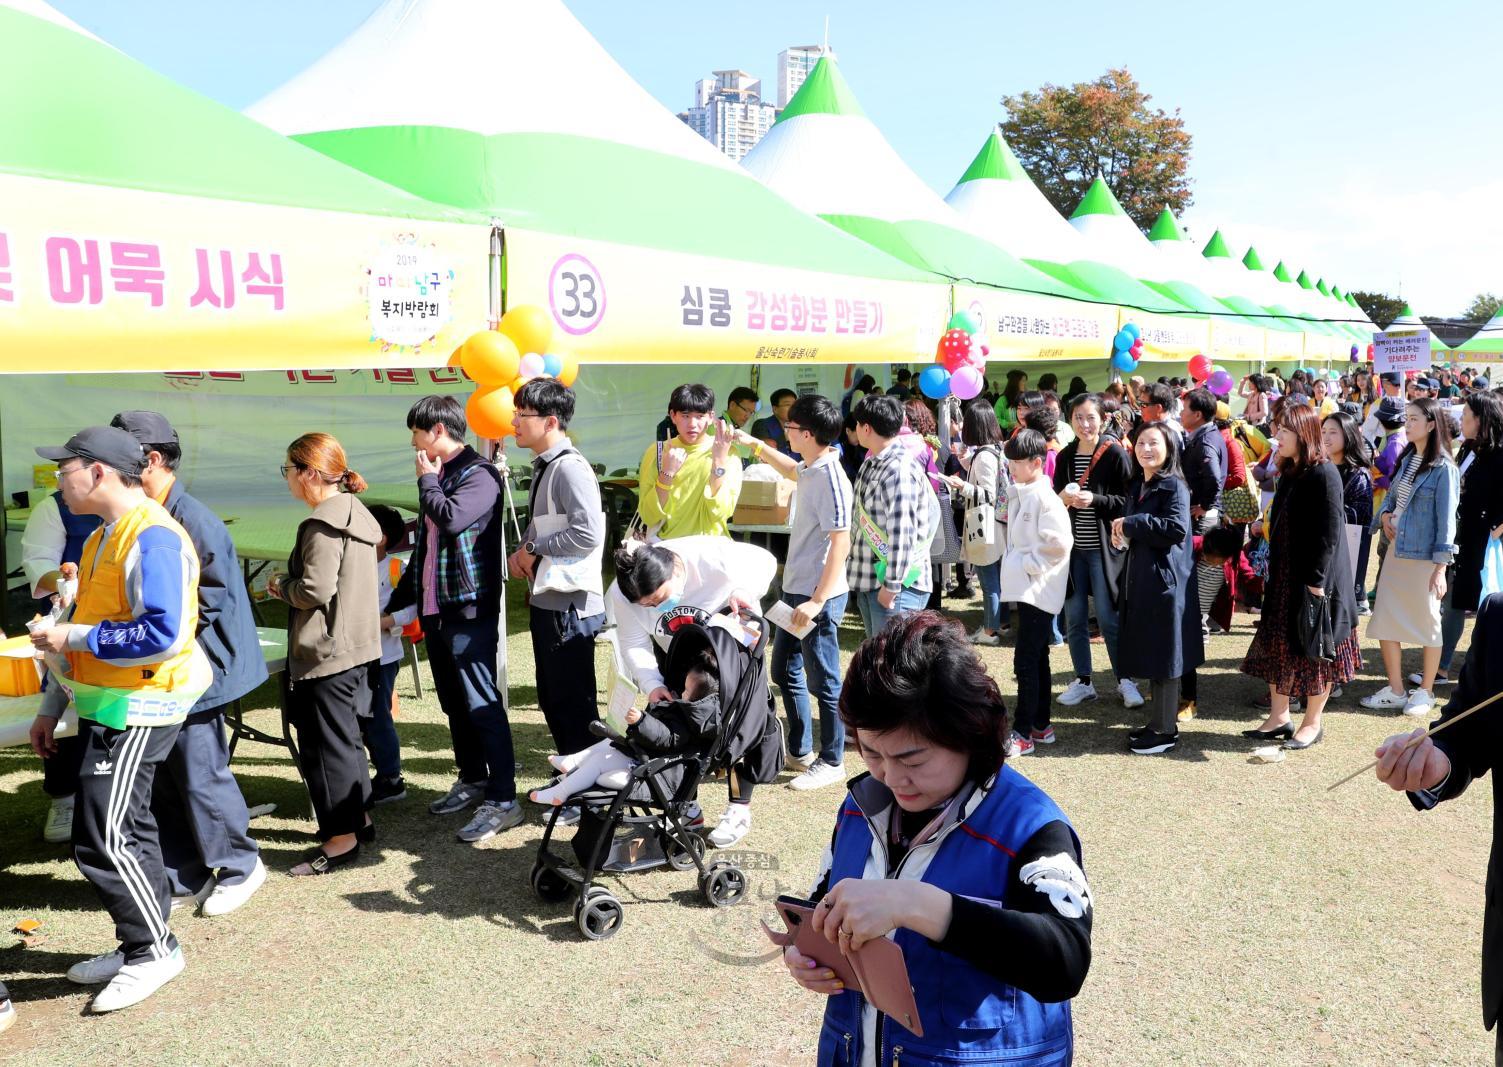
(449, 63)
(1019, 218)
(1116, 239)
(842, 165)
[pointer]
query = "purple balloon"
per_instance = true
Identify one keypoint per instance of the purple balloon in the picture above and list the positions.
(967, 382)
(1220, 383)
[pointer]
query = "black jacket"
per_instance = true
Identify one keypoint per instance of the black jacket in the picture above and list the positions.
(1204, 462)
(1108, 486)
(1480, 510)
(1473, 748)
(1163, 639)
(466, 509)
(676, 726)
(226, 627)
(1315, 503)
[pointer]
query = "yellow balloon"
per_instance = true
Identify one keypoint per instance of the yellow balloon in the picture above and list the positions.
(569, 371)
(490, 411)
(456, 358)
(529, 326)
(490, 358)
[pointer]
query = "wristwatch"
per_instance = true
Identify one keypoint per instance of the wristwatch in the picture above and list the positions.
(530, 547)
(719, 472)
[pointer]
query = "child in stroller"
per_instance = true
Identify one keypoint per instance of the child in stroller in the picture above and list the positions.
(664, 729)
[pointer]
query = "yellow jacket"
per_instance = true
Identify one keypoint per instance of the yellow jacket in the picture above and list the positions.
(691, 509)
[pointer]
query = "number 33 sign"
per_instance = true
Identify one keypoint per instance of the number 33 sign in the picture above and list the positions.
(576, 294)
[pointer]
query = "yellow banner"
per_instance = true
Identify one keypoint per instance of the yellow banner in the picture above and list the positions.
(1235, 339)
(1170, 337)
(1021, 326)
(615, 303)
(1286, 344)
(94, 278)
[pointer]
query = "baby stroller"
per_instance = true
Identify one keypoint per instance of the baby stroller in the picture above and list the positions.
(645, 824)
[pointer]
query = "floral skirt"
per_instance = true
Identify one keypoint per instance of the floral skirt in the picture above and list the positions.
(1273, 658)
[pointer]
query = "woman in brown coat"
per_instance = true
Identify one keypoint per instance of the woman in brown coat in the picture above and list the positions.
(333, 634)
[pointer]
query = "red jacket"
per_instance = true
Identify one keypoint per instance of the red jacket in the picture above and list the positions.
(1236, 462)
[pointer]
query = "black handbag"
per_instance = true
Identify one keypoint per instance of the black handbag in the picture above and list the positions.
(1314, 637)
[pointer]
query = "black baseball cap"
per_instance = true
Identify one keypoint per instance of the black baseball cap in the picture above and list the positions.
(148, 427)
(109, 445)
(1392, 377)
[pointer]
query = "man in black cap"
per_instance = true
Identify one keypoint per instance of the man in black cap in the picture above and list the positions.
(1393, 389)
(204, 823)
(127, 660)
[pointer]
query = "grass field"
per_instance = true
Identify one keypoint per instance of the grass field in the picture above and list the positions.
(1244, 915)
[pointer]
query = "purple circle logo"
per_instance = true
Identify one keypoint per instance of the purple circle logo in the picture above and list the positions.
(576, 294)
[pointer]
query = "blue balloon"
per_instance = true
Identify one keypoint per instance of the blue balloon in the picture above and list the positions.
(934, 382)
(1123, 361)
(1123, 341)
(1132, 328)
(552, 365)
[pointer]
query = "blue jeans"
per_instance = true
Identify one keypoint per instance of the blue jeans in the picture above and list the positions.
(819, 649)
(874, 616)
(1087, 581)
(990, 577)
(1452, 622)
(380, 732)
(462, 656)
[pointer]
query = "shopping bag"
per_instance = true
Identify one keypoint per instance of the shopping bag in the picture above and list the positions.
(1492, 568)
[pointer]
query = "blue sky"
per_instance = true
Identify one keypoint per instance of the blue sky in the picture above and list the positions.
(1339, 138)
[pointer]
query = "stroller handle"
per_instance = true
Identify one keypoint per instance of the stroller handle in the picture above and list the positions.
(601, 728)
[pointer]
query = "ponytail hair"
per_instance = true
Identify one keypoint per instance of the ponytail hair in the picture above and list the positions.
(641, 569)
(324, 454)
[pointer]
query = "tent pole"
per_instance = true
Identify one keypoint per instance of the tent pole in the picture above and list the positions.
(495, 309)
(4, 534)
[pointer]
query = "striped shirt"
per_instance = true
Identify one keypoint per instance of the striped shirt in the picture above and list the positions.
(823, 507)
(1403, 488)
(1083, 523)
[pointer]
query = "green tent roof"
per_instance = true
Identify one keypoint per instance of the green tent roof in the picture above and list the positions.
(1166, 228)
(1304, 281)
(995, 160)
(1098, 200)
(1325, 290)
(112, 121)
(824, 92)
(1252, 261)
(1281, 272)
(1216, 247)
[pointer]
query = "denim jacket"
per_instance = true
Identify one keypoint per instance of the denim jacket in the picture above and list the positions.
(1427, 527)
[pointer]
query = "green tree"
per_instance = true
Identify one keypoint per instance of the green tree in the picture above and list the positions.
(1380, 307)
(1066, 135)
(1482, 308)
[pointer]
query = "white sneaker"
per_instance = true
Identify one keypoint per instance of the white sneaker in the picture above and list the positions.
(1018, 745)
(58, 830)
(226, 898)
(98, 970)
(1421, 702)
(1077, 692)
(981, 637)
(1385, 698)
(818, 775)
(799, 764)
(193, 901)
(137, 981)
(1417, 679)
(7, 1014)
(733, 825)
(1128, 690)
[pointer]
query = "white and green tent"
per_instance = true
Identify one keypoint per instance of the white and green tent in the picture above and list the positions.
(1486, 343)
(615, 214)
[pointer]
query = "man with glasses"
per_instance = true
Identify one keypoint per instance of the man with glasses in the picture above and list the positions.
(127, 660)
(565, 537)
(741, 405)
(689, 484)
(814, 585)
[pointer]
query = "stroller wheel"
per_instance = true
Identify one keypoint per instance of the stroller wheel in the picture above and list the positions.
(549, 885)
(681, 858)
(598, 916)
(723, 885)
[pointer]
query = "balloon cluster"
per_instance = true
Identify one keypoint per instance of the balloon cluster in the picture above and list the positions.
(503, 360)
(1355, 351)
(1127, 348)
(1213, 376)
(959, 368)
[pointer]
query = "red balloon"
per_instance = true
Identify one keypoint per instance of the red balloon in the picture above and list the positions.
(1200, 367)
(1369, 351)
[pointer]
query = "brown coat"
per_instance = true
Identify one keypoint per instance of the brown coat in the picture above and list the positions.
(334, 621)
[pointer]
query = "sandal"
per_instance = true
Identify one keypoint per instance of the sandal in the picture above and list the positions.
(318, 861)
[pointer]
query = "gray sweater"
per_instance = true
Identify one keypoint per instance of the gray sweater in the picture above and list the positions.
(574, 492)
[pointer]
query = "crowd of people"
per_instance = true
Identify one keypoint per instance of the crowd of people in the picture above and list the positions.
(1149, 501)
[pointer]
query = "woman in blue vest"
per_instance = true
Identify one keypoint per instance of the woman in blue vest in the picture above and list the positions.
(966, 864)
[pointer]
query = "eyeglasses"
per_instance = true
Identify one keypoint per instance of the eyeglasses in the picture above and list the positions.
(284, 468)
(527, 415)
(745, 408)
(788, 426)
(61, 474)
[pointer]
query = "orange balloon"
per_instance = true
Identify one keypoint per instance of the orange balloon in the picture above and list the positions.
(490, 410)
(490, 358)
(456, 358)
(569, 371)
(529, 326)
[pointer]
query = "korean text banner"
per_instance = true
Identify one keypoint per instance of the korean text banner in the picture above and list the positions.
(1237, 339)
(1027, 326)
(1170, 336)
(614, 303)
(96, 278)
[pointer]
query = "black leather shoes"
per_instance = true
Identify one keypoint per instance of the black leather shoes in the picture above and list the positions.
(1277, 733)
(1295, 746)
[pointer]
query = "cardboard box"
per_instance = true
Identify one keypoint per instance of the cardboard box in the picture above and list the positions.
(751, 515)
(766, 494)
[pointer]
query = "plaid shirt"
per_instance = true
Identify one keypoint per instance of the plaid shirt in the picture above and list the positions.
(894, 492)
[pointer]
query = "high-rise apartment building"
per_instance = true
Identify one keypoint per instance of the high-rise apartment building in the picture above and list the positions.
(794, 65)
(729, 112)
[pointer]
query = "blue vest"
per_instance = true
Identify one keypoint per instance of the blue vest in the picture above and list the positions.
(76, 530)
(968, 1016)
